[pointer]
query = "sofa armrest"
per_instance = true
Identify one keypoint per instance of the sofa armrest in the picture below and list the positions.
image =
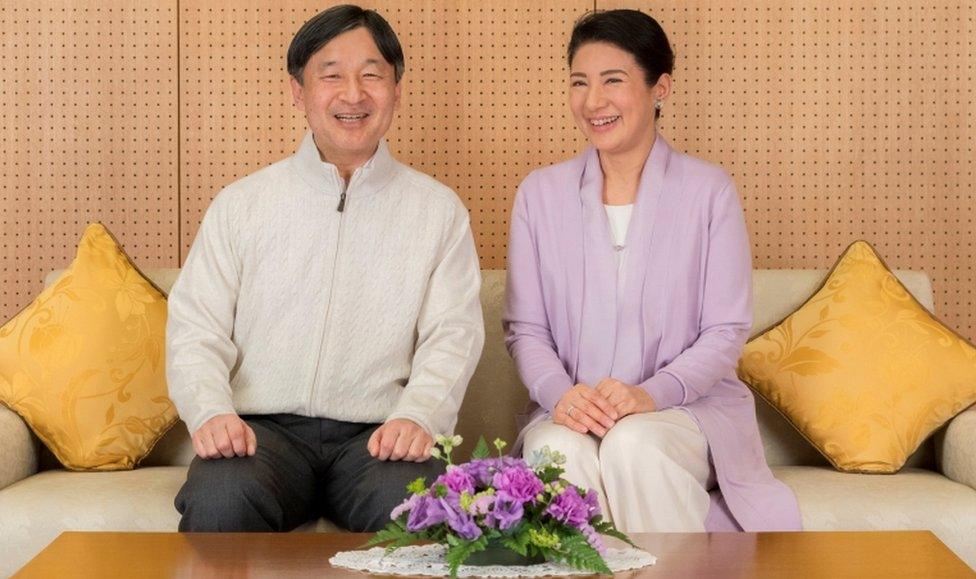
(18, 453)
(957, 451)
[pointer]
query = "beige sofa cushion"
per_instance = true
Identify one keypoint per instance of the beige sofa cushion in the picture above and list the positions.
(912, 499)
(18, 449)
(495, 396)
(37, 509)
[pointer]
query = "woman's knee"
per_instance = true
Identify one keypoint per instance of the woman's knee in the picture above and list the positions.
(636, 438)
(558, 438)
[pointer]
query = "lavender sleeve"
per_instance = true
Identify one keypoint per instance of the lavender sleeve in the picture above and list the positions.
(726, 312)
(527, 333)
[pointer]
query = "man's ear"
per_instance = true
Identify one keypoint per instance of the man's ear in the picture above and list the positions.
(298, 94)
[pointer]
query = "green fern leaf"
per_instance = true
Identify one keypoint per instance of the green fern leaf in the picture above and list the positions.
(607, 528)
(391, 532)
(459, 552)
(577, 552)
(481, 449)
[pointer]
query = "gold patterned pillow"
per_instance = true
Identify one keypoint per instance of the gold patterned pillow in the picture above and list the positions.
(83, 364)
(862, 370)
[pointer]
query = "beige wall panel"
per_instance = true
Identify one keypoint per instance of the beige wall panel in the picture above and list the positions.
(838, 121)
(89, 119)
(483, 104)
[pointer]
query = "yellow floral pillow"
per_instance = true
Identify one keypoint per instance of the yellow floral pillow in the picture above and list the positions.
(83, 364)
(862, 370)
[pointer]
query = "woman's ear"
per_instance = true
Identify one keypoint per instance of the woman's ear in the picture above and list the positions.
(662, 90)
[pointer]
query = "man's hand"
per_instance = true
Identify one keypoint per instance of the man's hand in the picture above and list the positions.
(626, 399)
(224, 436)
(585, 410)
(400, 439)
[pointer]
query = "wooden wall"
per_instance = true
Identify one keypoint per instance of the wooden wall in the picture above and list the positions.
(838, 120)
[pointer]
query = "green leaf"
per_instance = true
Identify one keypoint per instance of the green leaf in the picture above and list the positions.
(403, 541)
(481, 449)
(461, 550)
(391, 532)
(519, 541)
(577, 552)
(607, 528)
(550, 474)
(418, 486)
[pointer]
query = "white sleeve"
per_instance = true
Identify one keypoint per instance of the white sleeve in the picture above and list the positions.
(200, 323)
(450, 333)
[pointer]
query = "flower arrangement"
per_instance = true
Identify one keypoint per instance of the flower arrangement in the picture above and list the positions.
(502, 504)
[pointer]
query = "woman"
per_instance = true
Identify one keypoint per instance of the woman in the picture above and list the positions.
(628, 303)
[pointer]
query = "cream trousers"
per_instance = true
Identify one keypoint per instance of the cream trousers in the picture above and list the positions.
(651, 471)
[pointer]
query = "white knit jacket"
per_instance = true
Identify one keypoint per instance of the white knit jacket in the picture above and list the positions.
(288, 305)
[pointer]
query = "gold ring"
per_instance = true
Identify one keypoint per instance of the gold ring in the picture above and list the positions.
(570, 411)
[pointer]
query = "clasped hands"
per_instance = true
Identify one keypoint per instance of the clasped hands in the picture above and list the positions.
(596, 410)
(227, 436)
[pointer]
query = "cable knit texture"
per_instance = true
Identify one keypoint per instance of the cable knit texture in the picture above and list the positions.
(287, 305)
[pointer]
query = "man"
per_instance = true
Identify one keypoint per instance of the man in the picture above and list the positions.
(326, 322)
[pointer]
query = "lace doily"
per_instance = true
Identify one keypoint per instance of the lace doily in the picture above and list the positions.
(429, 560)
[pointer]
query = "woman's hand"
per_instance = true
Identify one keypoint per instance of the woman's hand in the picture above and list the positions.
(624, 398)
(583, 409)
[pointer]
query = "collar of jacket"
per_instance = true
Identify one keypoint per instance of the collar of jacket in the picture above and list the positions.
(324, 177)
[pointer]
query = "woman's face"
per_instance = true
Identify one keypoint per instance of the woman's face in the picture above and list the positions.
(610, 99)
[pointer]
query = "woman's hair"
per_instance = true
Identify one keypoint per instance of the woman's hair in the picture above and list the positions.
(330, 23)
(631, 31)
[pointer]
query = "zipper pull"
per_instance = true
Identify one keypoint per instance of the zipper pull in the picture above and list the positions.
(342, 202)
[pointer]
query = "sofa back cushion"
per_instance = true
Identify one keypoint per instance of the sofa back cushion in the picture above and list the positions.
(495, 396)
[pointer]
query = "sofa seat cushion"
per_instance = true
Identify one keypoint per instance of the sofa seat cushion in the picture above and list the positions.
(34, 511)
(912, 499)
(37, 509)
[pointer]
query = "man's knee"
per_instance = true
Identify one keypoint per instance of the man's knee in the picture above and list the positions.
(226, 495)
(386, 488)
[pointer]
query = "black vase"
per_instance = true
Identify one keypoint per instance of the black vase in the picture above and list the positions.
(497, 554)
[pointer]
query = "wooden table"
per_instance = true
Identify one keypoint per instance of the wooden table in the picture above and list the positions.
(810, 554)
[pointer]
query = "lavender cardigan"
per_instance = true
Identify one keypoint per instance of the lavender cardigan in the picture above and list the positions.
(676, 324)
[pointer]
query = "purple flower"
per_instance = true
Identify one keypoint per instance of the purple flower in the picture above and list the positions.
(460, 522)
(481, 504)
(592, 503)
(481, 470)
(506, 513)
(517, 483)
(405, 506)
(457, 480)
(593, 538)
(569, 508)
(427, 512)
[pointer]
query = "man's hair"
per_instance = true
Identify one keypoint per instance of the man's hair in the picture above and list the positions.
(330, 23)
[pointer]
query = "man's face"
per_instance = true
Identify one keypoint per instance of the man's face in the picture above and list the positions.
(349, 94)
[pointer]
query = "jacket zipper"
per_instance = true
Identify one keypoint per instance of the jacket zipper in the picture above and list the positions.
(328, 304)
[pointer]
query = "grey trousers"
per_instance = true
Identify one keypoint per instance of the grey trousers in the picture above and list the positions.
(303, 468)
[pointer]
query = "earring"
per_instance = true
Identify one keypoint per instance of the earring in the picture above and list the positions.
(659, 105)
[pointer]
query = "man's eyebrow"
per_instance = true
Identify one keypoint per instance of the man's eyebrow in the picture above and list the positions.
(329, 63)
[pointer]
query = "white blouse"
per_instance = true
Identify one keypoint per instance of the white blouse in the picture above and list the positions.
(619, 217)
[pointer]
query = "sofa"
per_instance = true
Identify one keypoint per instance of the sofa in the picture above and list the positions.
(936, 490)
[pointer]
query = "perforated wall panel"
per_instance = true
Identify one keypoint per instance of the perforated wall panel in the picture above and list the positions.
(838, 120)
(89, 118)
(483, 101)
